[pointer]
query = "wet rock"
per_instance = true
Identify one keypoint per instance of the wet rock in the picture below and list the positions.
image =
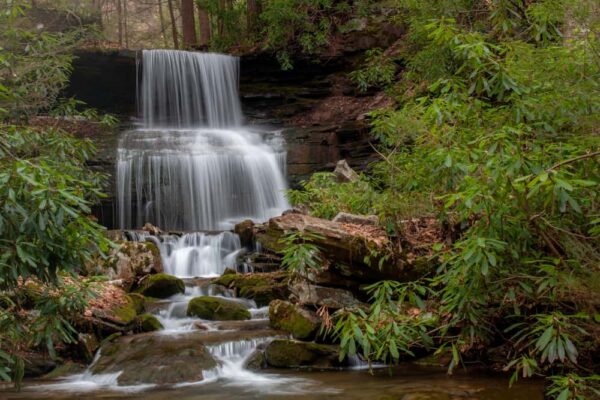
(301, 323)
(245, 230)
(256, 361)
(260, 287)
(154, 359)
(38, 364)
(87, 345)
(216, 308)
(344, 173)
(315, 295)
(347, 218)
(151, 229)
(127, 262)
(286, 353)
(139, 302)
(68, 368)
(160, 286)
(148, 323)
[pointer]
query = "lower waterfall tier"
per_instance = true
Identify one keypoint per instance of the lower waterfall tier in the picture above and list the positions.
(199, 179)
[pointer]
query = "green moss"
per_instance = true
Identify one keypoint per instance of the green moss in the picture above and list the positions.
(215, 308)
(68, 368)
(126, 313)
(139, 302)
(149, 323)
(302, 324)
(260, 287)
(285, 353)
(161, 286)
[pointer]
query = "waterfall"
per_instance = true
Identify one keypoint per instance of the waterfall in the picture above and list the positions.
(192, 166)
(195, 254)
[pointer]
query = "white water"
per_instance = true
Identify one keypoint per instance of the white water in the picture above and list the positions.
(196, 254)
(193, 166)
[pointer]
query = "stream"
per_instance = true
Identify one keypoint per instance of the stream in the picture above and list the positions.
(192, 166)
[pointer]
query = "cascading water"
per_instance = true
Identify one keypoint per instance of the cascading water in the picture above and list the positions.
(193, 166)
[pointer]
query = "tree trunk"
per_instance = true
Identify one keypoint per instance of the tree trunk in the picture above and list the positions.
(120, 22)
(252, 12)
(163, 26)
(125, 30)
(205, 31)
(173, 25)
(188, 24)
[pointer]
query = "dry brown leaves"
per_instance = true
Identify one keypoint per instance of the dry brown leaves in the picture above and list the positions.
(108, 297)
(371, 233)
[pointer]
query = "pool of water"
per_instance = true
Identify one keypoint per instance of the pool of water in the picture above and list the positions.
(403, 383)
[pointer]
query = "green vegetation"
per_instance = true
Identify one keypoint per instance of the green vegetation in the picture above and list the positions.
(46, 192)
(495, 133)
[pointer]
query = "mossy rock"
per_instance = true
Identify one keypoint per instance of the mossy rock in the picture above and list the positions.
(124, 314)
(68, 368)
(139, 302)
(215, 308)
(260, 287)
(287, 353)
(301, 323)
(149, 323)
(255, 361)
(161, 286)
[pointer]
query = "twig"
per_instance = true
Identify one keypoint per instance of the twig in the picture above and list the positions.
(572, 160)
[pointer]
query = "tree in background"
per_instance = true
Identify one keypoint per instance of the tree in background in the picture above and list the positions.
(188, 23)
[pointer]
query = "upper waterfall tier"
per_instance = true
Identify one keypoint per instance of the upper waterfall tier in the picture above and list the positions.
(187, 90)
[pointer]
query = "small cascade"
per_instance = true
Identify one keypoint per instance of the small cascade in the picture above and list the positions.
(196, 254)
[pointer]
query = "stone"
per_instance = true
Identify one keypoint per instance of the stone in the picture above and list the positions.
(151, 229)
(347, 218)
(128, 262)
(360, 247)
(260, 287)
(68, 368)
(139, 302)
(216, 308)
(344, 173)
(160, 286)
(256, 361)
(148, 323)
(287, 353)
(38, 364)
(155, 359)
(245, 230)
(300, 322)
(87, 345)
(315, 295)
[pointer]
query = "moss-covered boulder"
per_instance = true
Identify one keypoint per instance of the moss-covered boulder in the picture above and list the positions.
(287, 353)
(148, 323)
(300, 322)
(216, 308)
(139, 302)
(160, 286)
(260, 287)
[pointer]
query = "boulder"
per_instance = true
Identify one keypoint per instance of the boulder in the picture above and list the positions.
(315, 295)
(287, 353)
(216, 308)
(347, 218)
(344, 173)
(38, 364)
(155, 359)
(260, 287)
(256, 361)
(300, 322)
(245, 230)
(128, 261)
(365, 249)
(148, 323)
(139, 302)
(160, 286)
(87, 344)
